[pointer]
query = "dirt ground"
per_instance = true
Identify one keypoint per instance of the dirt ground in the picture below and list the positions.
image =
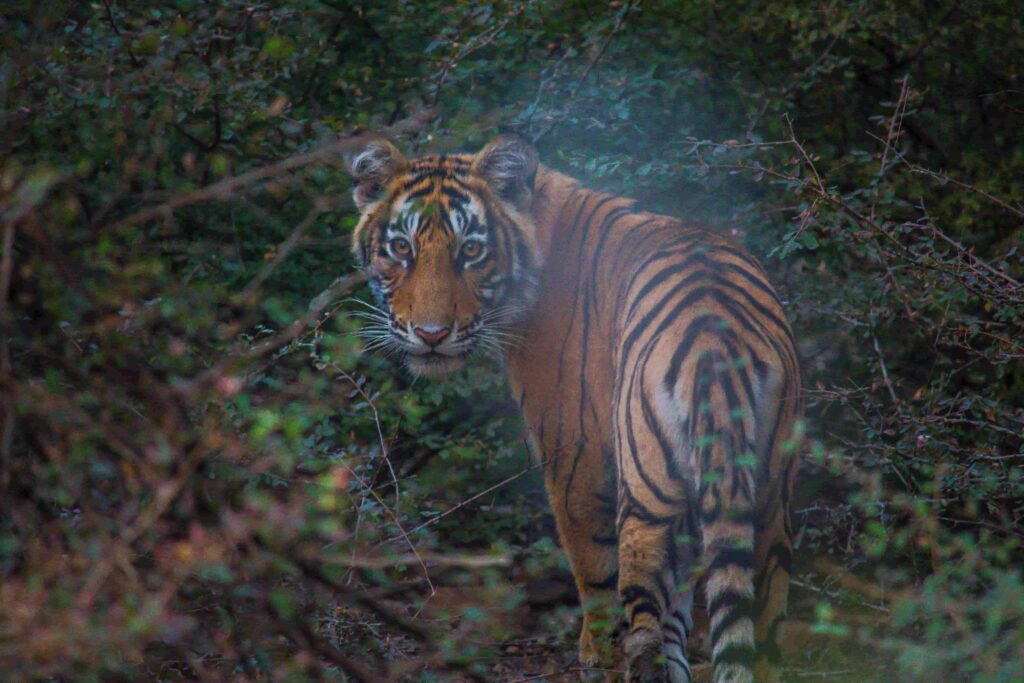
(534, 638)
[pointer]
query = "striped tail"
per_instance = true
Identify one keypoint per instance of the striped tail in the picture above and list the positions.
(722, 428)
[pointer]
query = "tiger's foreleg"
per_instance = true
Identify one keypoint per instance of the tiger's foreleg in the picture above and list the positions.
(584, 506)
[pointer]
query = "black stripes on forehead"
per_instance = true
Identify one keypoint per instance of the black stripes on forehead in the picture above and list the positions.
(446, 181)
(431, 170)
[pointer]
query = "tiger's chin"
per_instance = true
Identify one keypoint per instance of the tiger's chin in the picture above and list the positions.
(433, 365)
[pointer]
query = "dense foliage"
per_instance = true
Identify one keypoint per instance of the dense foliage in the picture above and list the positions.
(204, 478)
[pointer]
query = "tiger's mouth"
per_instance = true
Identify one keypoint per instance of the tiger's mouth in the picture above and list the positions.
(433, 364)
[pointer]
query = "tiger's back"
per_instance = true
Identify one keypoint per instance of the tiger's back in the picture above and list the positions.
(659, 381)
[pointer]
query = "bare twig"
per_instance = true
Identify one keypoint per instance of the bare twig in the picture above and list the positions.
(895, 125)
(402, 533)
(281, 253)
(117, 32)
(464, 503)
(885, 371)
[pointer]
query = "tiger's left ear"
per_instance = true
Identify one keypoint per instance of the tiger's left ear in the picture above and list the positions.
(372, 168)
(509, 165)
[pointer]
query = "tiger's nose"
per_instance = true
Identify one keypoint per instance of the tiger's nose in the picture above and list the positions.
(432, 335)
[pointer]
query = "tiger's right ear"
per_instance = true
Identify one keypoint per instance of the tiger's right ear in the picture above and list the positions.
(372, 167)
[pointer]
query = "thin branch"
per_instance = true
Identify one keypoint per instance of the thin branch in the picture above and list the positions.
(281, 253)
(464, 503)
(590, 65)
(227, 187)
(113, 24)
(338, 288)
(885, 371)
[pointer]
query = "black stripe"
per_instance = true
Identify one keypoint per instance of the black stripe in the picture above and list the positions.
(784, 554)
(668, 250)
(706, 322)
(731, 557)
(570, 328)
(641, 327)
(732, 599)
(681, 662)
(735, 653)
(758, 282)
(645, 608)
(726, 622)
(635, 592)
(634, 449)
(595, 259)
(634, 508)
(758, 306)
(667, 453)
(728, 337)
(422, 192)
(666, 597)
(667, 273)
(674, 635)
(607, 583)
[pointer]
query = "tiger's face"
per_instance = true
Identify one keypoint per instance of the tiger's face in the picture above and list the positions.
(451, 248)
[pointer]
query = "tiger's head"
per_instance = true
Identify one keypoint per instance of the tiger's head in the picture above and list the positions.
(451, 247)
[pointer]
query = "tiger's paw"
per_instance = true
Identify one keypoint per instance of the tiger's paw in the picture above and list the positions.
(596, 665)
(644, 658)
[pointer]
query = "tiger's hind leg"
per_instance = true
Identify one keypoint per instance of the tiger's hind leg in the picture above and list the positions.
(655, 585)
(653, 502)
(645, 588)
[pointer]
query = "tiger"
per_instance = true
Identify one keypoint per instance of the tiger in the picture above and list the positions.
(655, 370)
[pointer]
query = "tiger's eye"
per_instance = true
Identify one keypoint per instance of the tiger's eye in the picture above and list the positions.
(472, 249)
(400, 247)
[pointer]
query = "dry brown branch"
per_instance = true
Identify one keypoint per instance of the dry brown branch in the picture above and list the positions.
(226, 188)
(328, 296)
